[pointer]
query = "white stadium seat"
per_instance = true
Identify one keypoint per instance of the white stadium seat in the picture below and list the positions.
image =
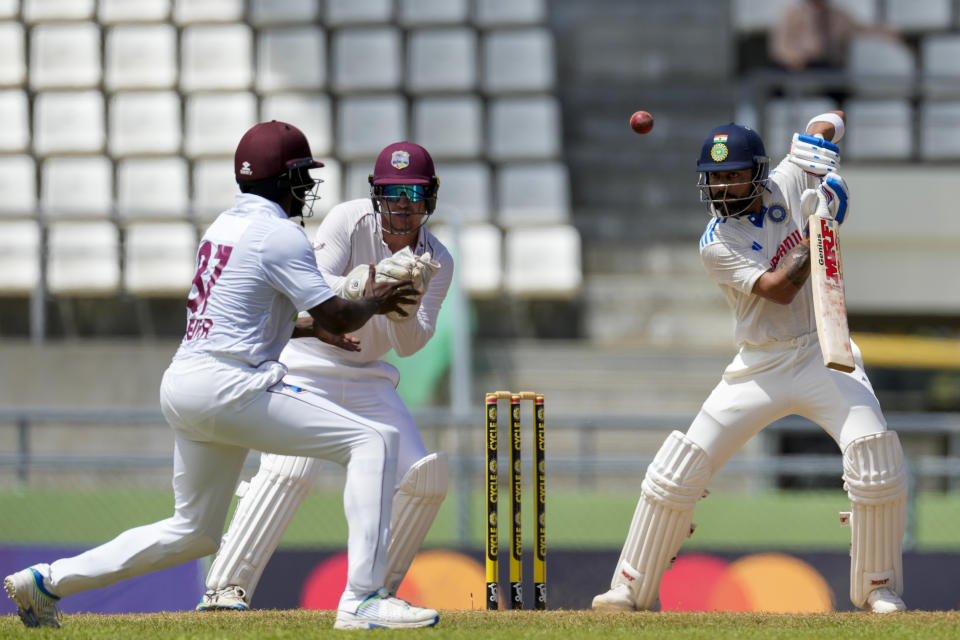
(752, 16)
(478, 257)
(785, 116)
(913, 16)
(878, 129)
(215, 122)
(20, 252)
(518, 60)
(940, 65)
(141, 56)
(367, 59)
(115, 11)
(65, 56)
(355, 179)
(264, 13)
(216, 57)
(153, 188)
(543, 262)
(442, 60)
(144, 123)
(495, 13)
(311, 112)
(880, 66)
(524, 128)
(187, 12)
(18, 184)
(159, 258)
(9, 9)
(415, 13)
(68, 122)
(352, 12)
(76, 187)
(940, 130)
(83, 258)
(331, 190)
(365, 124)
(14, 114)
(291, 59)
(214, 187)
(464, 192)
(449, 127)
(54, 10)
(13, 65)
(533, 194)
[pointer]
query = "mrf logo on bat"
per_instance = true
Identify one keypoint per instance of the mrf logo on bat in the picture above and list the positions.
(827, 250)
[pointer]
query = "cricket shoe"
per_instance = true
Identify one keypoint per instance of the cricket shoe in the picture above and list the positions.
(231, 597)
(36, 606)
(380, 610)
(885, 601)
(618, 598)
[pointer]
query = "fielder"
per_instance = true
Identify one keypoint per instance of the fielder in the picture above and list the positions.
(756, 250)
(388, 229)
(223, 395)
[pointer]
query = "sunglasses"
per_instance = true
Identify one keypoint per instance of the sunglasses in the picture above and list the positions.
(413, 192)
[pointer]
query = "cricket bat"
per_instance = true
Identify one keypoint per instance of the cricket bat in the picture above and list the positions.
(826, 274)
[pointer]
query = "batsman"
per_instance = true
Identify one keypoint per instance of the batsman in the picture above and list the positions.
(756, 248)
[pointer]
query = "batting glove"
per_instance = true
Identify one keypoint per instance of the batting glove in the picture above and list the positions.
(814, 155)
(838, 196)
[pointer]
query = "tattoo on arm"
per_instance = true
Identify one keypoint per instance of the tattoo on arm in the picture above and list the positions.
(796, 265)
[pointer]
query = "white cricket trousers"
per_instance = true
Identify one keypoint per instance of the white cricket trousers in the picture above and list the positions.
(219, 410)
(764, 384)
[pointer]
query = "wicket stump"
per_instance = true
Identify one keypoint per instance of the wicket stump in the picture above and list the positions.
(540, 498)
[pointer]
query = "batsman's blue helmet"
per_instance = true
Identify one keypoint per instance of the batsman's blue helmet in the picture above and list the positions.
(729, 147)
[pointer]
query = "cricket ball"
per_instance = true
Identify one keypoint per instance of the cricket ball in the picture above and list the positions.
(641, 122)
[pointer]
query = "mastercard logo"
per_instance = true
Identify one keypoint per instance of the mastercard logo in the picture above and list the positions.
(763, 582)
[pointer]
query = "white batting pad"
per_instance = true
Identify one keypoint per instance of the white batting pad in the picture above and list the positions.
(674, 481)
(415, 505)
(876, 482)
(263, 513)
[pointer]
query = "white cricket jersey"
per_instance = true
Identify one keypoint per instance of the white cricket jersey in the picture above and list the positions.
(255, 269)
(349, 236)
(737, 251)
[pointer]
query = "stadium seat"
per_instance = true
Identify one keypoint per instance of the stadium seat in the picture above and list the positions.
(265, 13)
(9, 9)
(76, 187)
(355, 174)
(159, 258)
(878, 129)
(543, 262)
(141, 56)
(153, 188)
(65, 56)
(311, 112)
(910, 16)
(524, 128)
(68, 122)
(464, 192)
(14, 114)
(214, 187)
(186, 12)
(144, 123)
(18, 184)
(756, 16)
(331, 190)
(20, 252)
(56, 10)
(785, 116)
(449, 127)
(518, 60)
(442, 60)
(291, 59)
(880, 66)
(497, 13)
(365, 124)
(13, 66)
(215, 122)
(415, 13)
(530, 194)
(864, 11)
(940, 130)
(216, 57)
(352, 12)
(83, 258)
(940, 65)
(116, 11)
(367, 59)
(478, 256)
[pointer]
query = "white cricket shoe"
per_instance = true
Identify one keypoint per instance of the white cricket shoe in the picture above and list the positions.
(230, 597)
(618, 598)
(36, 606)
(885, 601)
(380, 610)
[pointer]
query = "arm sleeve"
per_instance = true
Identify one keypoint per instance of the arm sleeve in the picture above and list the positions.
(735, 267)
(332, 248)
(287, 259)
(411, 334)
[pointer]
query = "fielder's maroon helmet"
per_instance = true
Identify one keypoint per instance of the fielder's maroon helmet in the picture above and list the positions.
(270, 149)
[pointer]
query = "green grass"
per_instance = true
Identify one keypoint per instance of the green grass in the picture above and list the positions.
(580, 520)
(509, 625)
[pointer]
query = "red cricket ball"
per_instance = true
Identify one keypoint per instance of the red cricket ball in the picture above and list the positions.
(641, 122)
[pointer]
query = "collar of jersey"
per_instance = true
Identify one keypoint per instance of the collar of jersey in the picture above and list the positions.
(251, 202)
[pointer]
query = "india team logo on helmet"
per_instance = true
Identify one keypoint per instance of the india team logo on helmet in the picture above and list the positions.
(400, 159)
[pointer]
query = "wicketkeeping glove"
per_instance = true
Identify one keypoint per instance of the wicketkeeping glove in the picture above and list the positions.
(814, 154)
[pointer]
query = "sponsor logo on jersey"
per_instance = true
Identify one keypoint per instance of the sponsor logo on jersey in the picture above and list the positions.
(400, 160)
(719, 151)
(789, 243)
